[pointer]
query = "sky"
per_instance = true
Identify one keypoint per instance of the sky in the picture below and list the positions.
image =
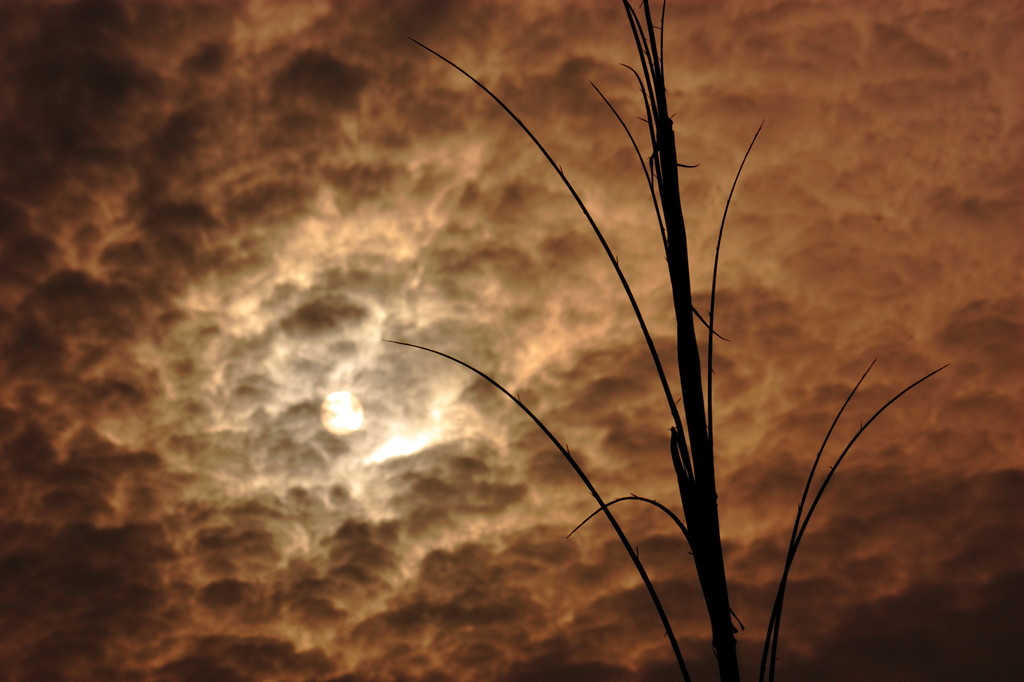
(213, 213)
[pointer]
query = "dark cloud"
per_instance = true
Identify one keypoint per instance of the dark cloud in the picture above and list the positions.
(989, 332)
(361, 553)
(242, 658)
(209, 59)
(322, 316)
(225, 549)
(26, 255)
(270, 201)
(553, 665)
(311, 600)
(932, 624)
(455, 607)
(362, 181)
(321, 79)
(225, 594)
(73, 304)
(75, 595)
(448, 483)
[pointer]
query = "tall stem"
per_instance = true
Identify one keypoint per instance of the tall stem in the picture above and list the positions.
(700, 497)
(699, 494)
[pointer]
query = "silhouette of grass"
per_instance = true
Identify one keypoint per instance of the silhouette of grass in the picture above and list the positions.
(771, 640)
(691, 444)
(606, 508)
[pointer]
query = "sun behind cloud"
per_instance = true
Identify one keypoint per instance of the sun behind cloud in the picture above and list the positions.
(341, 413)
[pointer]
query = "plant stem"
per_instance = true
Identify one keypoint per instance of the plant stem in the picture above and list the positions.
(699, 494)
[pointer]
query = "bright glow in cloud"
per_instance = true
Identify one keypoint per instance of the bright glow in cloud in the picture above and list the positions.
(341, 413)
(399, 446)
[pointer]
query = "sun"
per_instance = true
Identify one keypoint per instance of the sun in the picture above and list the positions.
(341, 413)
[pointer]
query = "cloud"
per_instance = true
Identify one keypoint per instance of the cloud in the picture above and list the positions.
(449, 483)
(241, 658)
(76, 595)
(322, 315)
(321, 79)
(212, 213)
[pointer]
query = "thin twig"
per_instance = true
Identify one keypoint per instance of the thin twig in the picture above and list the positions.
(772, 638)
(597, 231)
(671, 514)
(590, 487)
(714, 288)
(640, 158)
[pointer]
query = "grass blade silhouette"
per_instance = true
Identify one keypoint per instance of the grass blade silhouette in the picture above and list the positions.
(652, 349)
(801, 522)
(714, 289)
(590, 487)
(638, 498)
(698, 492)
(691, 441)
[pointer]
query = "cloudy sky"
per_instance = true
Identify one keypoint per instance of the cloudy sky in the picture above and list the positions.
(211, 214)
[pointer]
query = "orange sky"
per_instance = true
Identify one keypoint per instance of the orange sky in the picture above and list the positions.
(211, 214)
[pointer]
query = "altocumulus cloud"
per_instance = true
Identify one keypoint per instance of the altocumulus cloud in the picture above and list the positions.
(212, 213)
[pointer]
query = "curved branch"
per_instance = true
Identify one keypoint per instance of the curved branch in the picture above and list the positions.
(593, 224)
(671, 514)
(654, 194)
(772, 637)
(710, 324)
(590, 487)
(643, 166)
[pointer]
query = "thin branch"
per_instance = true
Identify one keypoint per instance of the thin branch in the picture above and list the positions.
(707, 324)
(714, 288)
(650, 185)
(658, 60)
(649, 120)
(590, 487)
(776, 617)
(643, 47)
(652, 89)
(771, 638)
(661, 32)
(586, 213)
(647, 84)
(682, 464)
(640, 158)
(671, 514)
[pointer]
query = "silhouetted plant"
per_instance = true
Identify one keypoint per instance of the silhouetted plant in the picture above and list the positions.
(691, 442)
